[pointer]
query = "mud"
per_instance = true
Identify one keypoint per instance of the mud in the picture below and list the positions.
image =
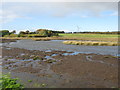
(99, 71)
(7, 40)
(60, 69)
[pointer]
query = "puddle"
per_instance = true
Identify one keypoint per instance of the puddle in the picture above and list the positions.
(13, 43)
(48, 51)
(22, 54)
(49, 57)
(28, 60)
(54, 54)
(12, 64)
(74, 53)
(0, 44)
(118, 55)
(65, 54)
(8, 48)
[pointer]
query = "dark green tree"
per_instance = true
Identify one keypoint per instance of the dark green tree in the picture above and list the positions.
(4, 32)
(27, 32)
(13, 32)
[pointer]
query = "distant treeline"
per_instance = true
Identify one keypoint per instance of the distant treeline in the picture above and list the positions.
(116, 32)
(44, 33)
(27, 33)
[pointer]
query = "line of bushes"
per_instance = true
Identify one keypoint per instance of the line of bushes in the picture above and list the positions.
(37, 33)
(7, 33)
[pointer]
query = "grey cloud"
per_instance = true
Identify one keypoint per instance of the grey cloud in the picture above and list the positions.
(90, 9)
(60, 0)
(60, 9)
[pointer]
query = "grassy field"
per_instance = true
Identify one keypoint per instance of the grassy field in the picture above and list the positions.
(84, 37)
(90, 35)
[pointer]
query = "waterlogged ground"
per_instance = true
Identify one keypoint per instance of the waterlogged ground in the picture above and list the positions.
(58, 45)
(50, 67)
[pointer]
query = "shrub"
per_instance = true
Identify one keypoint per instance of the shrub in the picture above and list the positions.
(7, 36)
(81, 43)
(66, 42)
(21, 35)
(13, 35)
(4, 32)
(95, 43)
(103, 44)
(47, 33)
(76, 43)
(7, 82)
(87, 43)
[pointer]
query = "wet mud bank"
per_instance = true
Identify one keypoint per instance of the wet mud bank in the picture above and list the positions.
(60, 69)
(7, 40)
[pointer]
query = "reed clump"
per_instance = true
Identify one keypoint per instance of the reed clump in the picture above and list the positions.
(92, 43)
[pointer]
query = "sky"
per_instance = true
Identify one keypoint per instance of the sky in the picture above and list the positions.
(62, 16)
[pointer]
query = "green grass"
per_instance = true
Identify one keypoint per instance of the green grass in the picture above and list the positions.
(90, 35)
(86, 37)
(7, 82)
(29, 80)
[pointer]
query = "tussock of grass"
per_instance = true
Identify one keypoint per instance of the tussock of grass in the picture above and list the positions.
(94, 43)
(91, 43)
(104, 43)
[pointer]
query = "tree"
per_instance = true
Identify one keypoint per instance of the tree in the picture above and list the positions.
(47, 33)
(27, 32)
(32, 32)
(43, 33)
(13, 32)
(21, 32)
(4, 32)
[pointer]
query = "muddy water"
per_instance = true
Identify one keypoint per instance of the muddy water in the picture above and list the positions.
(58, 45)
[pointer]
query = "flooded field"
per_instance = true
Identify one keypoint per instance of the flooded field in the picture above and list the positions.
(51, 64)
